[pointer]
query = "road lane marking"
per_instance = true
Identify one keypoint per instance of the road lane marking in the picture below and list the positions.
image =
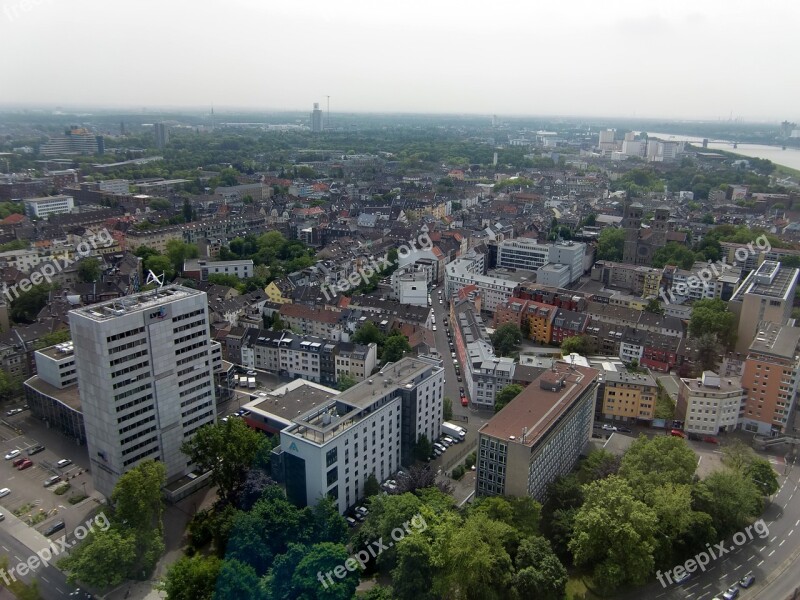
(773, 539)
(771, 553)
(707, 586)
(759, 564)
(791, 532)
(6, 549)
(737, 567)
(45, 580)
(18, 558)
(724, 576)
(762, 548)
(781, 544)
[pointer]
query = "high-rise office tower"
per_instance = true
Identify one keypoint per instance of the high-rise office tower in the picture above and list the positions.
(144, 368)
(162, 135)
(316, 118)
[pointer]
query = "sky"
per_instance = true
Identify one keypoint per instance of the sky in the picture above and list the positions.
(698, 59)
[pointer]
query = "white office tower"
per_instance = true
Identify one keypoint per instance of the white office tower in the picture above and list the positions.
(145, 379)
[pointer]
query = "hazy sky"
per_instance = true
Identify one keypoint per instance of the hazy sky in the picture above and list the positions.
(675, 58)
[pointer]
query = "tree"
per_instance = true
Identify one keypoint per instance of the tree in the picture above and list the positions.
(178, 252)
(252, 489)
(89, 270)
(525, 328)
(709, 351)
(191, 578)
(447, 409)
(578, 344)
(506, 395)
(368, 333)
(650, 462)
(227, 450)
(188, 212)
(277, 322)
(419, 477)
(371, 486)
(539, 573)
(238, 580)
(26, 306)
(345, 382)
(762, 474)
(522, 514)
(598, 465)
(394, 348)
(610, 244)
(506, 339)
(51, 339)
(104, 560)
(158, 265)
(712, 316)
(10, 387)
(731, 498)
(423, 448)
(476, 560)
(412, 578)
(654, 306)
(737, 456)
(323, 558)
(673, 254)
(614, 534)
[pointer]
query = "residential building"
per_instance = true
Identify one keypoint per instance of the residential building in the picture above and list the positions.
(371, 429)
(200, 269)
(144, 368)
(539, 435)
(40, 208)
(410, 285)
(496, 286)
(767, 294)
(356, 360)
(771, 373)
(710, 404)
(75, 141)
(162, 135)
(316, 118)
(629, 397)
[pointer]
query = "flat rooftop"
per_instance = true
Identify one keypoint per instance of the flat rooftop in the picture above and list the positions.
(776, 340)
(59, 351)
(536, 409)
(291, 400)
(136, 302)
(771, 280)
(68, 395)
(395, 375)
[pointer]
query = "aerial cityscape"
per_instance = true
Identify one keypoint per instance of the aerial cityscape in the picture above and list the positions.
(518, 317)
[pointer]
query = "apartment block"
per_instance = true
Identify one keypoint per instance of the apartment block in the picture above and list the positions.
(144, 366)
(200, 269)
(539, 435)
(372, 428)
(767, 294)
(771, 372)
(710, 404)
(40, 208)
(629, 397)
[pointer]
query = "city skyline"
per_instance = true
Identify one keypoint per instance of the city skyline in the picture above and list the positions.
(686, 61)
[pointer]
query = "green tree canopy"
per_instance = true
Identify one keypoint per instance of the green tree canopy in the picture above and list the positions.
(394, 348)
(610, 244)
(506, 395)
(89, 270)
(650, 462)
(506, 339)
(578, 344)
(191, 578)
(712, 316)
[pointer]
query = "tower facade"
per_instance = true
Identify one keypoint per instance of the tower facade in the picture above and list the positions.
(631, 223)
(145, 376)
(316, 118)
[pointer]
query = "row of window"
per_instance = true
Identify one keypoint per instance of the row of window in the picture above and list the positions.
(130, 380)
(190, 336)
(147, 419)
(189, 315)
(127, 346)
(135, 413)
(141, 365)
(142, 444)
(128, 357)
(124, 334)
(189, 348)
(189, 325)
(139, 457)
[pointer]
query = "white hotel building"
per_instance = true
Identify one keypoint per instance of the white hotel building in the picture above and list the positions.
(145, 373)
(371, 428)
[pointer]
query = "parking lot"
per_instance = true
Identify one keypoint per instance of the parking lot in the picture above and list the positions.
(29, 499)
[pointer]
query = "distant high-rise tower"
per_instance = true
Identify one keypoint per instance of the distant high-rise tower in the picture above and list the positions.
(144, 371)
(162, 135)
(316, 118)
(122, 127)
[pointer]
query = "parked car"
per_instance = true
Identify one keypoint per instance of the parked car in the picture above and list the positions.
(362, 510)
(607, 427)
(64, 462)
(439, 446)
(685, 577)
(710, 439)
(13, 411)
(434, 327)
(52, 480)
(2, 517)
(624, 430)
(35, 449)
(4, 492)
(12, 454)
(678, 433)
(449, 440)
(747, 581)
(452, 354)
(27, 462)
(17, 461)
(55, 527)
(464, 401)
(351, 522)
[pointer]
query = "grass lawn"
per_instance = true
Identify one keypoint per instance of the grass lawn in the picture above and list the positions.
(577, 590)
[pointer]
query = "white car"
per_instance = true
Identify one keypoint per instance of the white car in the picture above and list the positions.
(4, 492)
(12, 454)
(607, 427)
(64, 462)
(434, 327)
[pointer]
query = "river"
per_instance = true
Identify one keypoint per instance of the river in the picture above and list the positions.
(788, 158)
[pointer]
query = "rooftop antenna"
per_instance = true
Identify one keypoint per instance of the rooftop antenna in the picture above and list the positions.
(153, 278)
